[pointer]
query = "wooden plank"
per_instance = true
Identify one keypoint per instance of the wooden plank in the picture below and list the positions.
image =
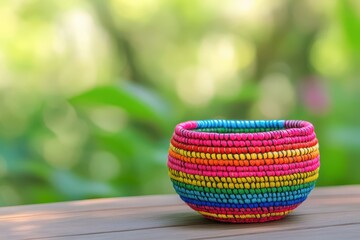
(311, 205)
(346, 231)
(336, 191)
(209, 230)
(137, 202)
(159, 216)
(170, 218)
(90, 205)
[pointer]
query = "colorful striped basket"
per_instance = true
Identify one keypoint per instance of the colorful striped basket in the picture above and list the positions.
(244, 171)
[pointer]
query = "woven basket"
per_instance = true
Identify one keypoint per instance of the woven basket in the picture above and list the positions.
(244, 171)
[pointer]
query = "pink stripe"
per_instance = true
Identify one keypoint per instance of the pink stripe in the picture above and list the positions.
(241, 149)
(274, 167)
(218, 173)
(246, 220)
(241, 211)
(243, 143)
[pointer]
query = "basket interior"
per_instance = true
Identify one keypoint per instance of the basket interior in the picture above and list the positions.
(212, 128)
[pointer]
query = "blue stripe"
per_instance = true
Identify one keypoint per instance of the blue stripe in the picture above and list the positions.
(244, 199)
(216, 123)
(250, 205)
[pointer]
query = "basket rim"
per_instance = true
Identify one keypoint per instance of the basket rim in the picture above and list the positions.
(287, 128)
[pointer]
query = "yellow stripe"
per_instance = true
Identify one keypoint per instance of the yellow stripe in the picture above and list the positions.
(234, 158)
(246, 182)
(293, 176)
(279, 154)
(243, 216)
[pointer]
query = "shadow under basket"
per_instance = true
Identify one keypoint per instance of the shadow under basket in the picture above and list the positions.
(244, 171)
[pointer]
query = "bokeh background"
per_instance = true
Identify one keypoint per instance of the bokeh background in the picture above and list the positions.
(90, 91)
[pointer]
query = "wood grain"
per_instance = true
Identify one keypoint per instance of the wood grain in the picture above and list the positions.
(331, 213)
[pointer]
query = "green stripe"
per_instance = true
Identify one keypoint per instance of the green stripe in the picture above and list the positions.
(243, 191)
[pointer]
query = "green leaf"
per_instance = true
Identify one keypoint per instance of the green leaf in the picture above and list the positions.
(350, 22)
(76, 187)
(138, 102)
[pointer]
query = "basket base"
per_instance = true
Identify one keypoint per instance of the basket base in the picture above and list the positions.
(245, 220)
(254, 215)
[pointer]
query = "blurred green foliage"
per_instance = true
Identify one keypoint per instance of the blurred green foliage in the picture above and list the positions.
(90, 91)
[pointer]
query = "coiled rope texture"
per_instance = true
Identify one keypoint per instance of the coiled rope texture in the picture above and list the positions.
(244, 171)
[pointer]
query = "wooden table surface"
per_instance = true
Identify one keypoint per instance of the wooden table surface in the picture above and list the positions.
(329, 213)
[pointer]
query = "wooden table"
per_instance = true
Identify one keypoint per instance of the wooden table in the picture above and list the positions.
(329, 213)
